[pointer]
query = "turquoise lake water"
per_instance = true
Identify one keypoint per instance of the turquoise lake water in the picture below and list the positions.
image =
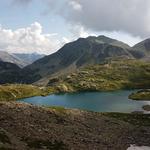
(95, 101)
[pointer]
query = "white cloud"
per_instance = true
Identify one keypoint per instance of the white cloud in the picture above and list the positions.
(130, 16)
(127, 16)
(32, 39)
(75, 5)
(28, 40)
(79, 31)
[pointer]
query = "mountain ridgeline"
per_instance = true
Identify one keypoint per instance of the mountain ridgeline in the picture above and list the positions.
(80, 53)
(142, 49)
(19, 59)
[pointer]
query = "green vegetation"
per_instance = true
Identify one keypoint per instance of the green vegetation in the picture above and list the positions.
(58, 109)
(140, 95)
(135, 119)
(17, 91)
(112, 75)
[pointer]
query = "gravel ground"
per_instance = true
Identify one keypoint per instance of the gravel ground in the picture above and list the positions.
(28, 127)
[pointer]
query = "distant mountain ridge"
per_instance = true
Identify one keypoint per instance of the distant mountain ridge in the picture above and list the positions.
(84, 51)
(7, 57)
(29, 58)
(77, 54)
(20, 59)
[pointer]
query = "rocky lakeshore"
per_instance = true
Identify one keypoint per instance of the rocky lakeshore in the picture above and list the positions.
(24, 126)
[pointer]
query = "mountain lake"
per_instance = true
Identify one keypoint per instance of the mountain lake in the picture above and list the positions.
(93, 101)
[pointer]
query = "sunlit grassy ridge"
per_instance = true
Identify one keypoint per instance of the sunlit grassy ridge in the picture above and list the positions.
(113, 75)
(16, 91)
(141, 95)
(124, 74)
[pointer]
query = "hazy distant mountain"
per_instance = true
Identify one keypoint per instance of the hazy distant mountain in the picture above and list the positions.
(29, 58)
(84, 51)
(142, 49)
(6, 57)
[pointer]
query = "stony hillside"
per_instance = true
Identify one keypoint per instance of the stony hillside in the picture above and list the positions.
(73, 56)
(142, 50)
(84, 51)
(112, 75)
(24, 127)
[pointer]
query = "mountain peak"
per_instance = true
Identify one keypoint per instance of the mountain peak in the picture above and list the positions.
(143, 46)
(104, 39)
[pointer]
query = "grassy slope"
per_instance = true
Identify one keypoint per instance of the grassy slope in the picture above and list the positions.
(17, 91)
(125, 74)
(140, 95)
(116, 75)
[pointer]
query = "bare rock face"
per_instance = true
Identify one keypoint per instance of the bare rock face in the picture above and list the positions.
(23, 127)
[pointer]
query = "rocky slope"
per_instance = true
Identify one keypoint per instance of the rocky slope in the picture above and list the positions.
(113, 75)
(76, 55)
(23, 127)
(84, 51)
(142, 50)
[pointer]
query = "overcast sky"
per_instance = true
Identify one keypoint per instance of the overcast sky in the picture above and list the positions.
(43, 26)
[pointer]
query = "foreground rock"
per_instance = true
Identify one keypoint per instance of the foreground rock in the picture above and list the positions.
(23, 126)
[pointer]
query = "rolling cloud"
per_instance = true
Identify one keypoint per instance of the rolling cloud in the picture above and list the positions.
(28, 40)
(130, 16)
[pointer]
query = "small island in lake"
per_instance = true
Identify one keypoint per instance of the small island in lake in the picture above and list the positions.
(141, 95)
